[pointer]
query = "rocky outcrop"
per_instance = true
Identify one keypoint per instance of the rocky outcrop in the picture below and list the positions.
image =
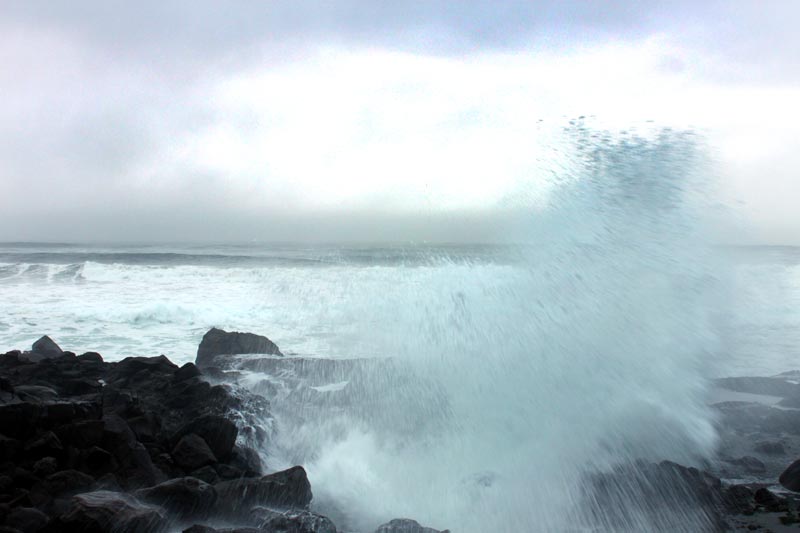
(217, 342)
(404, 525)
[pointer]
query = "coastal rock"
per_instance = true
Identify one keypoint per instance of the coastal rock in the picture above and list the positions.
(184, 497)
(104, 511)
(46, 347)
(26, 519)
(790, 478)
(404, 525)
(192, 453)
(770, 448)
(286, 489)
(292, 521)
(218, 342)
(218, 432)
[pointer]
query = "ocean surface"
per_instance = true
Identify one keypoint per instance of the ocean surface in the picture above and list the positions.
(148, 299)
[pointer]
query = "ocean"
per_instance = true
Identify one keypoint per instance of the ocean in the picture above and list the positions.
(150, 299)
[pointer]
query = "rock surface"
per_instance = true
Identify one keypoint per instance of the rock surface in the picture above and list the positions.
(217, 342)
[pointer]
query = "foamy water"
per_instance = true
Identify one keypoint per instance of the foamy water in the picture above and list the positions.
(590, 348)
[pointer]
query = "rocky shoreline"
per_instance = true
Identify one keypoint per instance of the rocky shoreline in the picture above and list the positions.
(144, 445)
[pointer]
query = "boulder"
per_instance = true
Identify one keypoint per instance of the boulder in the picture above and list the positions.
(185, 497)
(292, 521)
(219, 342)
(103, 511)
(287, 489)
(26, 519)
(790, 478)
(218, 432)
(46, 347)
(404, 525)
(192, 453)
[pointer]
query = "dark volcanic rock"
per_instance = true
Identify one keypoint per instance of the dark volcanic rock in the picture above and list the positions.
(104, 511)
(184, 497)
(289, 488)
(26, 519)
(292, 521)
(790, 478)
(218, 432)
(218, 342)
(404, 525)
(646, 496)
(47, 347)
(192, 453)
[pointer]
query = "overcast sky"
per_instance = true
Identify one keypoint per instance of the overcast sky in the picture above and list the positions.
(212, 120)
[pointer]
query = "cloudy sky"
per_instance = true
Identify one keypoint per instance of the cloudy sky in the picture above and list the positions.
(283, 120)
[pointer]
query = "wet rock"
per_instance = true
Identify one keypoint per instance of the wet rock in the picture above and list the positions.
(61, 484)
(218, 432)
(26, 519)
(8, 448)
(192, 453)
(185, 497)
(90, 357)
(404, 525)
(35, 393)
(83, 433)
(770, 501)
(738, 499)
(292, 521)
(790, 478)
(199, 528)
(104, 511)
(99, 461)
(207, 474)
(187, 371)
(47, 444)
(46, 347)
(45, 466)
(218, 342)
(286, 489)
(246, 461)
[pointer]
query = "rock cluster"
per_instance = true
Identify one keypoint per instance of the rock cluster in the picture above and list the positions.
(140, 445)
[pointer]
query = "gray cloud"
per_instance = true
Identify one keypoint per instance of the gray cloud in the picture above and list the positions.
(93, 91)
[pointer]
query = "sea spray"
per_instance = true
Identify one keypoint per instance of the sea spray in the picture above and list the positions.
(586, 352)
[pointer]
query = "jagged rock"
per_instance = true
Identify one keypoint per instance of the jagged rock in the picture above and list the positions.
(738, 499)
(46, 347)
(61, 484)
(286, 489)
(404, 525)
(35, 393)
(26, 519)
(770, 501)
(192, 453)
(218, 432)
(104, 511)
(292, 521)
(45, 466)
(218, 342)
(648, 496)
(246, 461)
(187, 371)
(185, 497)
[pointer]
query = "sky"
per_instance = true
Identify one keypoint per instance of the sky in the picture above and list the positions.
(374, 120)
